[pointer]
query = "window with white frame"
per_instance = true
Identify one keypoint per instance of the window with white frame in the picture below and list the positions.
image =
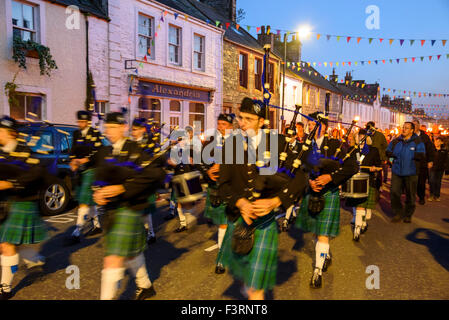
(175, 114)
(150, 109)
(27, 105)
(145, 45)
(101, 107)
(198, 52)
(174, 44)
(24, 21)
(196, 113)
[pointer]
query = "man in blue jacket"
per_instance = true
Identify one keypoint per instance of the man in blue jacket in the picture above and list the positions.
(406, 151)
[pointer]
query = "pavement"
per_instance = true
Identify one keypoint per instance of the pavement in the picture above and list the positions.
(391, 261)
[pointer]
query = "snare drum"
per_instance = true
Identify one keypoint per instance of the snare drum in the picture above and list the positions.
(188, 187)
(356, 187)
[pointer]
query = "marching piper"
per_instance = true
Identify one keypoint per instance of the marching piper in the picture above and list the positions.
(21, 177)
(252, 215)
(215, 209)
(127, 177)
(86, 141)
(320, 209)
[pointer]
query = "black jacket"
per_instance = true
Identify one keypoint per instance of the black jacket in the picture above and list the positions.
(139, 178)
(372, 158)
(430, 148)
(440, 161)
(85, 147)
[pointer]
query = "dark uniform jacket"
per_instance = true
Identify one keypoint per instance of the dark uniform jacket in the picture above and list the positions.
(131, 168)
(85, 147)
(237, 178)
(372, 158)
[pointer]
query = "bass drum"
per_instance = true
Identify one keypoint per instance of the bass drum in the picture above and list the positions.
(187, 187)
(356, 187)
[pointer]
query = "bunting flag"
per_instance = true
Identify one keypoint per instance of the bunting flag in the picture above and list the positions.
(348, 38)
(422, 42)
(391, 41)
(401, 42)
(444, 42)
(237, 26)
(217, 23)
(318, 36)
(381, 40)
(358, 39)
(186, 18)
(433, 42)
(328, 37)
(248, 28)
(227, 25)
(411, 42)
(177, 14)
(370, 40)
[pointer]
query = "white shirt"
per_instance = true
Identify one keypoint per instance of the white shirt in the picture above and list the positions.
(255, 140)
(10, 147)
(84, 132)
(319, 141)
(117, 147)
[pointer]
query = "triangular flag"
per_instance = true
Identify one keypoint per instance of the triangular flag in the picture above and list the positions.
(381, 40)
(336, 64)
(430, 58)
(349, 63)
(433, 42)
(363, 63)
(314, 64)
(355, 62)
(447, 56)
(422, 59)
(248, 28)
(444, 42)
(308, 64)
(319, 64)
(165, 13)
(391, 61)
(293, 67)
(155, 34)
(257, 29)
(217, 23)
(343, 64)
(330, 64)
(369, 61)
(227, 25)
(338, 38)
(363, 85)
(237, 26)
(397, 60)
(358, 39)
(405, 59)
(422, 42)
(288, 64)
(186, 18)
(401, 41)
(375, 61)
(370, 40)
(268, 29)
(412, 42)
(288, 33)
(348, 38)
(391, 41)
(162, 19)
(145, 58)
(413, 59)
(176, 15)
(439, 56)
(328, 37)
(318, 36)
(325, 64)
(383, 61)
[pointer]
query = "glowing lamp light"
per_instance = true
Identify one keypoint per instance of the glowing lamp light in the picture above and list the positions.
(304, 32)
(440, 127)
(396, 131)
(202, 137)
(356, 119)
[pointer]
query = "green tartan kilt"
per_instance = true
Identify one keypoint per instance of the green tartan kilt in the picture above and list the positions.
(126, 237)
(371, 201)
(217, 215)
(84, 191)
(258, 268)
(24, 224)
(151, 209)
(327, 222)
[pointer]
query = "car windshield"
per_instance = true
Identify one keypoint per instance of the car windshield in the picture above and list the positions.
(39, 139)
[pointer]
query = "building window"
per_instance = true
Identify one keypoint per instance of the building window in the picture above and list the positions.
(101, 107)
(243, 67)
(227, 109)
(196, 113)
(258, 74)
(270, 75)
(27, 105)
(150, 109)
(175, 114)
(174, 44)
(24, 21)
(145, 37)
(198, 52)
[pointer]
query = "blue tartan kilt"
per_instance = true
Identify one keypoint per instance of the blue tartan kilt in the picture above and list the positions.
(217, 215)
(126, 237)
(84, 193)
(24, 224)
(258, 268)
(327, 222)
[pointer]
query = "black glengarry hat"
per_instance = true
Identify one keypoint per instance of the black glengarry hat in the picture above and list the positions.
(115, 118)
(84, 115)
(139, 122)
(8, 123)
(251, 106)
(226, 117)
(315, 116)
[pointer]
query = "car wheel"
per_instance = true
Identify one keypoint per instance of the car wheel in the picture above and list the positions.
(54, 198)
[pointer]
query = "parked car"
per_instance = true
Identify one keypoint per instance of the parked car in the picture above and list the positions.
(56, 195)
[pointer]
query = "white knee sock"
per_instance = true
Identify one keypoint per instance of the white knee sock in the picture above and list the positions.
(10, 265)
(182, 218)
(139, 271)
(288, 213)
(109, 282)
(94, 215)
(321, 252)
(368, 214)
(149, 222)
(83, 212)
(221, 234)
(359, 214)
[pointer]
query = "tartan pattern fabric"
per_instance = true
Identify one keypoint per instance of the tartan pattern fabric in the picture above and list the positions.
(327, 222)
(151, 209)
(84, 192)
(126, 237)
(258, 268)
(217, 215)
(371, 201)
(24, 224)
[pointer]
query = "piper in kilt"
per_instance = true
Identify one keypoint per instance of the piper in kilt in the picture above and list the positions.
(86, 141)
(215, 209)
(20, 179)
(237, 182)
(368, 157)
(127, 178)
(141, 133)
(320, 209)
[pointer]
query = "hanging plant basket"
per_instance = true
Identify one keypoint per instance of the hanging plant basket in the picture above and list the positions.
(23, 49)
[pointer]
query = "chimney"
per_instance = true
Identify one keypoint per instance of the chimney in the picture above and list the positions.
(333, 76)
(348, 77)
(263, 38)
(226, 7)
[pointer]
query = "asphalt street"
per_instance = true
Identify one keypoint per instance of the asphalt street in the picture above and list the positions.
(410, 261)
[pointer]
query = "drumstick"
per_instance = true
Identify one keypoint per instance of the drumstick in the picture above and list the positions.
(369, 167)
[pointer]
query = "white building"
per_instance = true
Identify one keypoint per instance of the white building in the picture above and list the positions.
(175, 62)
(293, 95)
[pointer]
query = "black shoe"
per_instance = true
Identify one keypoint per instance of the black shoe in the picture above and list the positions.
(352, 227)
(94, 231)
(169, 217)
(422, 201)
(181, 229)
(219, 269)
(151, 239)
(3, 294)
(145, 293)
(327, 263)
(316, 281)
(72, 240)
(407, 220)
(396, 219)
(285, 226)
(363, 230)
